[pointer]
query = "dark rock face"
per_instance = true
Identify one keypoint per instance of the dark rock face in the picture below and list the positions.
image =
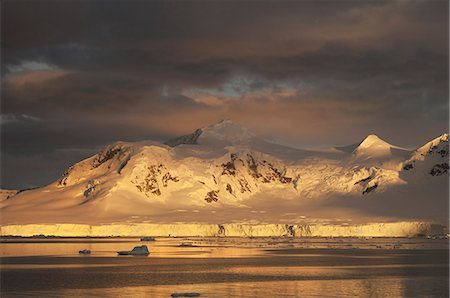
(105, 155)
(443, 152)
(229, 168)
(364, 180)
(123, 165)
(244, 185)
(65, 176)
(168, 177)
(295, 181)
(369, 189)
(253, 167)
(11, 194)
(190, 139)
(150, 184)
(278, 175)
(229, 189)
(408, 167)
(90, 188)
(221, 230)
(212, 196)
(439, 169)
(261, 171)
(290, 231)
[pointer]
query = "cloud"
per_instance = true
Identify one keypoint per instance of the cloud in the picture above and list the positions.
(30, 66)
(31, 118)
(12, 118)
(306, 73)
(32, 77)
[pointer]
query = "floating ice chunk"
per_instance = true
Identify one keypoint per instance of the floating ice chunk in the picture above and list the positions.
(136, 251)
(187, 244)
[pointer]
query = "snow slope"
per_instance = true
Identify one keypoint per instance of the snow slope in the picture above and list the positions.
(375, 151)
(224, 173)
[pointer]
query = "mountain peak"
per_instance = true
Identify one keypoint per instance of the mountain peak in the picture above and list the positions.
(373, 140)
(370, 145)
(224, 123)
(444, 137)
(189, 139)
(225, 131)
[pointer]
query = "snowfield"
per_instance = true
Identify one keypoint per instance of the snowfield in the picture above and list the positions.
(225, 175)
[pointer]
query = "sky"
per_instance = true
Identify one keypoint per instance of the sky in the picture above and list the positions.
(78, 75)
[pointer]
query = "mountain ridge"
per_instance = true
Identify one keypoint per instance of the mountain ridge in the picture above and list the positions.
(225, 171)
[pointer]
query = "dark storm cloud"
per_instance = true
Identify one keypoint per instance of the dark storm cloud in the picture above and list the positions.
(323, 72)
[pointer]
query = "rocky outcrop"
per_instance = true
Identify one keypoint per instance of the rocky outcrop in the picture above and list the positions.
(90, 187)
(105, 155)
(408, 167)
(439, 169)
(168, 177)
(370, 189)
(65, 176)
(190, 139)
(212, 196)
(364, 180)
(149, 184)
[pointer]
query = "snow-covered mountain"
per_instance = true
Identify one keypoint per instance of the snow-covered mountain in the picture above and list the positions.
(225, 173)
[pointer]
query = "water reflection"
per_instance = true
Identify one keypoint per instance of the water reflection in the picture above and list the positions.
(204, 247)
(226, 267)
(392, 287)
(161, 248)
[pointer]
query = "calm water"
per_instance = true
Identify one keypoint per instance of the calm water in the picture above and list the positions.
(226, 267)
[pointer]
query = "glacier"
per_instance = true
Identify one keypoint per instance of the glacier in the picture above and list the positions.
(223, 174)
(395, 229)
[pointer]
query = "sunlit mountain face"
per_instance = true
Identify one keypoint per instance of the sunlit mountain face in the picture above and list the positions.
(77, 76)
(119, 119)
(224, 148)
(224, 173)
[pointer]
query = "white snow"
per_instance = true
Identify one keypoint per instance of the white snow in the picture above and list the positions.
(392, 229)
(225, 171)
(377, 152)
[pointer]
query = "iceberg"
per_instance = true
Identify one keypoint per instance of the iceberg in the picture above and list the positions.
(136, 251)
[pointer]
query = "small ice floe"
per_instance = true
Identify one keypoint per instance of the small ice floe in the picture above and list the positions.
(136, 251)
(148, 239)
(84, 252)
(191, 294)
(186, 244)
